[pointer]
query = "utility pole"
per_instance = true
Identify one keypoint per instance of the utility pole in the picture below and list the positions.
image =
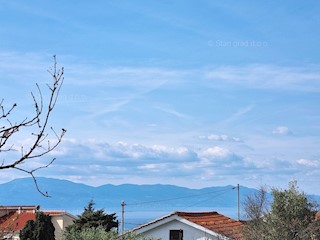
(238, 187)
(122, 219)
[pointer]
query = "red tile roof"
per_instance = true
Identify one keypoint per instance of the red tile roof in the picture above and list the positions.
(213, 221)
(15, 221)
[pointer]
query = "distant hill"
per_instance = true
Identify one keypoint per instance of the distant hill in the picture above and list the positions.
(142, 199)
(143, 202)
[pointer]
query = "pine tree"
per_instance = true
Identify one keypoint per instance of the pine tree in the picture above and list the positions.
(91, 218)
(44, 229)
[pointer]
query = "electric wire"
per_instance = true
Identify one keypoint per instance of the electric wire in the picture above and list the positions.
(208, 199)
(217, 192)
(182, 197)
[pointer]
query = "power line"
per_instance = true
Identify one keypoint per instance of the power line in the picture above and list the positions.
(123, 204)
(176, 198)
(208, 199)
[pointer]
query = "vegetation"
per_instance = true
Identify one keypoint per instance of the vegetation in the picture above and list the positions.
(40, 229)
(89, 234)
(291, 216)
(93, 219)
(96, 225)
(98, 234)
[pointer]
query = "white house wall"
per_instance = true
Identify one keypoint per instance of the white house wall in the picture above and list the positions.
(189, 232)
(60, 222)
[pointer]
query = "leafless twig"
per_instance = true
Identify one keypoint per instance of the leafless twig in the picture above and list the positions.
(38, 121)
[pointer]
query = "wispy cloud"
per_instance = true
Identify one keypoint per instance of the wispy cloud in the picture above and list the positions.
(174, 112)
(298, 78)
(302, 78)
(239, 113)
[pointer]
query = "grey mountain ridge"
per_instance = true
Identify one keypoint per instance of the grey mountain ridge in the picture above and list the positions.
(143, 202)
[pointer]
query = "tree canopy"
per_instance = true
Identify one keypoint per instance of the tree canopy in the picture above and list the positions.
(291, 216)
(91, 218)
(100, 234)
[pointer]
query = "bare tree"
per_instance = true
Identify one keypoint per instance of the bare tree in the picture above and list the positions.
(256, 205)
(44, 138)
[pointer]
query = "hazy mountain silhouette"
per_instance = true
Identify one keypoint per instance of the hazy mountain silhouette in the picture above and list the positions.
(143, 202)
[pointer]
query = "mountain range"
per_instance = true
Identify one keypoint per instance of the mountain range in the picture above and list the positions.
(142, 202)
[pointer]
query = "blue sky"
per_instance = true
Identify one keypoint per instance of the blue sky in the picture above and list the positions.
(192, 93)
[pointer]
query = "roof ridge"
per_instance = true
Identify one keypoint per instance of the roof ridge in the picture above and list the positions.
(203, 212)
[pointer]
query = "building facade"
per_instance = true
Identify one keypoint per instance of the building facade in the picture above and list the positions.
(14, 218)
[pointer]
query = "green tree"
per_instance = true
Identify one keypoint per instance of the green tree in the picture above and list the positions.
(44, 228)
(91, 218)
(291, 216)
(28, 231)
(40, 229)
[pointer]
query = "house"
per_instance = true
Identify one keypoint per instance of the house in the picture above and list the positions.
(60, 220)
(191, 226)
(14, 218)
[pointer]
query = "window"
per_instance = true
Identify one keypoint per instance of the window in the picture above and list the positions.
(176, 234)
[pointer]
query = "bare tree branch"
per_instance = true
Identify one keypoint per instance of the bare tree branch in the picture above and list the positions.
(37, 123)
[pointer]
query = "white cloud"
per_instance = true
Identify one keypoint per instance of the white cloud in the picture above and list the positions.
(98, 162)
(216, 152)
(154, 167)
(308, 163)
(222, 159)
(282, 130)
(222, 138)
(87, 158)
